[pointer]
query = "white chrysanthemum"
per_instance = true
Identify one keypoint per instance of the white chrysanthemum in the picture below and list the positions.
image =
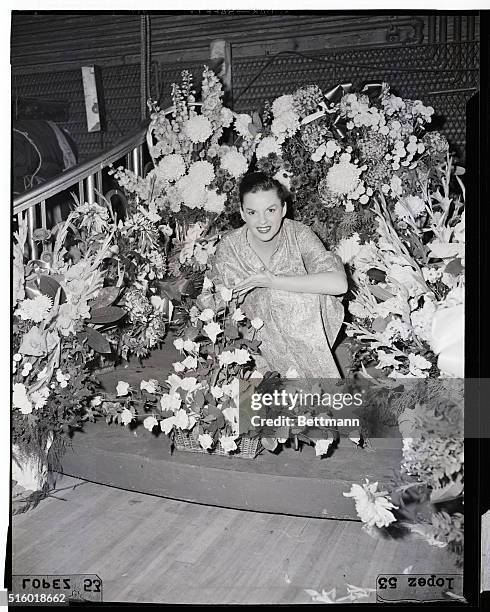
(343, 178)
(215, 202)
(171, 167)
(35, 310)
(241, 125)
(226, 117)
(193, 194)
(268, 145)
(198, 128)
(235, 163)
(202, 172)
(283, 104)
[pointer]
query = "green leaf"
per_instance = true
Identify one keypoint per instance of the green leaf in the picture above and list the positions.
(380, 293)
(214, 411)
(49, 286)
(104, 316)
(97, 341)
(191, 333)
(174, 289)
(198, 402)
(454, 267)
(213, 427)
(105, 297)
(231, 330)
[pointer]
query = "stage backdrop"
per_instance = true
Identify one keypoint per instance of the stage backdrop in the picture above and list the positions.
(433, 57)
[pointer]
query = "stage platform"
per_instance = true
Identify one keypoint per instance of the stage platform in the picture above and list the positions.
(291, 482)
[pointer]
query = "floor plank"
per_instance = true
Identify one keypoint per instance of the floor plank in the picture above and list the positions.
(151, 549)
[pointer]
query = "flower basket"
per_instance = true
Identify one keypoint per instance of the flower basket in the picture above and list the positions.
(248, 448)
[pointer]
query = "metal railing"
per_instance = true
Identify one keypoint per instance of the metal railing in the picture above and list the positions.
(85, 178)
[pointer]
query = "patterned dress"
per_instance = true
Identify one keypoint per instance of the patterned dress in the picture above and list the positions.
(299, 328)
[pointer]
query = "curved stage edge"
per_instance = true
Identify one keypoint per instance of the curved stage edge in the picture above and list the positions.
(291, 482)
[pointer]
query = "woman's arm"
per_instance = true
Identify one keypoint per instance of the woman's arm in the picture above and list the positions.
(329, 283)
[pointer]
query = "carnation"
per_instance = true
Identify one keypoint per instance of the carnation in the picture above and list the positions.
(171, 167)
(198, 128)
(343, 178)
(235, 163)
(266, 146)
(201, 172)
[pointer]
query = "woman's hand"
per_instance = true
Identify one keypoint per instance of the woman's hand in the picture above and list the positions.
(263, 279)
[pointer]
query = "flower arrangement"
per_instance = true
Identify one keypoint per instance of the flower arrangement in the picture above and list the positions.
(198, 158)
(59, 320)
(405, 282)
(139, 267)
(426, 499)
(336, 150)
(201, 397)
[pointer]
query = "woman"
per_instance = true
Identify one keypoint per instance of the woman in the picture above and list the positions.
(287, 278)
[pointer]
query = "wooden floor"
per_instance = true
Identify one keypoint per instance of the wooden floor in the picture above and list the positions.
(152, 549)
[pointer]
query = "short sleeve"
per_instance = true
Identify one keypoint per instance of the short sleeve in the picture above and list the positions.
(219, 272)
(315, 256)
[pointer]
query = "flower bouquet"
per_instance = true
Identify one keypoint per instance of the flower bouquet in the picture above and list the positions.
(426, 498)
(199, 408)
(58, 335)
(400, 296)
(336, 150)
(199, 152)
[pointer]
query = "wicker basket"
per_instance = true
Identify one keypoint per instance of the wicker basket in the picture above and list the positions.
(248, 448)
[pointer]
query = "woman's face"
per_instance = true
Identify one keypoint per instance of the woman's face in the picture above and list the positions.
(263, 213)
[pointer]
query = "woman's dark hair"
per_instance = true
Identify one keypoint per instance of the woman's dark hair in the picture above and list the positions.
(253, 182)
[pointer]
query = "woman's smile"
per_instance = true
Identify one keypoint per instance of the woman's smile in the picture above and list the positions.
(263, 213)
